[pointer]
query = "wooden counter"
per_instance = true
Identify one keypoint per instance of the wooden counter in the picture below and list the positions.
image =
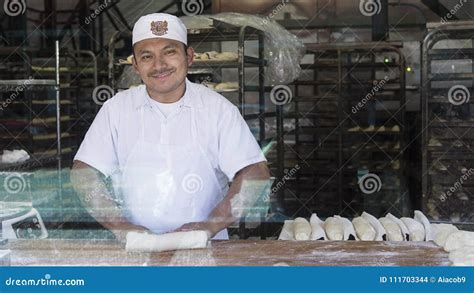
(230, 253)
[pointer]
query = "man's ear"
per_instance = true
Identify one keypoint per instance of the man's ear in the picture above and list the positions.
(190, 55)
(135, 65)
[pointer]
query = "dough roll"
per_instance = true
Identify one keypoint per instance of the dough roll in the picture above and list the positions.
(364, 229)
(459, 239)
(334, 229)
(441, 232)
(144, 242)
(380, 233)
(301, 229)
(317, 228)
(416, 229)
(394, 233)
(403, 227)
(420, 217)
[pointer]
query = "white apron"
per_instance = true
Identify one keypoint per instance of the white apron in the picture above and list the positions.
(166, 186)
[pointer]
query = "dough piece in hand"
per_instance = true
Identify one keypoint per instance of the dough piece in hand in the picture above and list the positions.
(459, 239)
(380, 233)
(420, 217)
(416, 229)
(403, 227)
(349, 233)
(287, 231)
(394, 233)
(364, 230)
(317, 228)
(301, 229)
(441, 232)
(463, 256)
(334, 229)
(144, 242)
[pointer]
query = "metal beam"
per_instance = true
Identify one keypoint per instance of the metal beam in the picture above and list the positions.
(438, 8)
(380, 28)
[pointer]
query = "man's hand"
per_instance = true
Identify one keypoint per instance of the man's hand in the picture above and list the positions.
(120, 230)
(221, 217)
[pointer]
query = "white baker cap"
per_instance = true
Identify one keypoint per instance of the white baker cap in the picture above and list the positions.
(159, 25)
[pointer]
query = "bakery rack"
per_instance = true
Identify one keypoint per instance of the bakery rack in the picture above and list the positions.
(27, 134)
(34, 136)
(78, 78)
(333, 146)
(447, 115)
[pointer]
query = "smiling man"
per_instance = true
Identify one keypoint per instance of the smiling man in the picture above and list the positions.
(171, 146)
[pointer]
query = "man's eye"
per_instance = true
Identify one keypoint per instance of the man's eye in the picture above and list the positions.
(170, 52)
(146, 57)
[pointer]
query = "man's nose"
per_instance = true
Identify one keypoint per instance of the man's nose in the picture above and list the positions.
(160, 62)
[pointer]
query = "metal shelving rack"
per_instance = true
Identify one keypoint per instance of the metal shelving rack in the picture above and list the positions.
(78, 78)
(25, 90)
(447, 112)
(26, 87)
(263, 113)
(319, 140)
(77, 81)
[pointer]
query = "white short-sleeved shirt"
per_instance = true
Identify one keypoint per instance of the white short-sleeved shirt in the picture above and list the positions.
(222, 131)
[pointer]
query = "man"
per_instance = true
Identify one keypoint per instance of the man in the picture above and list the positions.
(171, 145)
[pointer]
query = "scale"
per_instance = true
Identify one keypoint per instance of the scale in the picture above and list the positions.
(19, 220)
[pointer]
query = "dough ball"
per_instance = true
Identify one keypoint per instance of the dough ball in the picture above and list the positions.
(441, 232)
(420, 217)
(317, 228)
(349, 233)
(287, 231)
(462, 256)
(301, 229)
(363, 229)
(380, 233)
(334, 229)
(403, 227)
(459, 239)
(394, 233)
(416, 229)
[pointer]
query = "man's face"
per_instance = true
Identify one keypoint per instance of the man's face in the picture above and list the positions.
(162, 64)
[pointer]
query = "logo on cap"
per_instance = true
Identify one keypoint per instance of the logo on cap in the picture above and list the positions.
(159, 28)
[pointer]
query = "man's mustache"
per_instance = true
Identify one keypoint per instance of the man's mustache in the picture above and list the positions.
(158, 72)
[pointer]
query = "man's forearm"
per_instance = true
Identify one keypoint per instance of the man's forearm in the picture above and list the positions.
(96, 198)
(221, 217)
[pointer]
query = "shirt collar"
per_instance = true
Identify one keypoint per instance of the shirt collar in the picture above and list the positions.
(191, 97)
